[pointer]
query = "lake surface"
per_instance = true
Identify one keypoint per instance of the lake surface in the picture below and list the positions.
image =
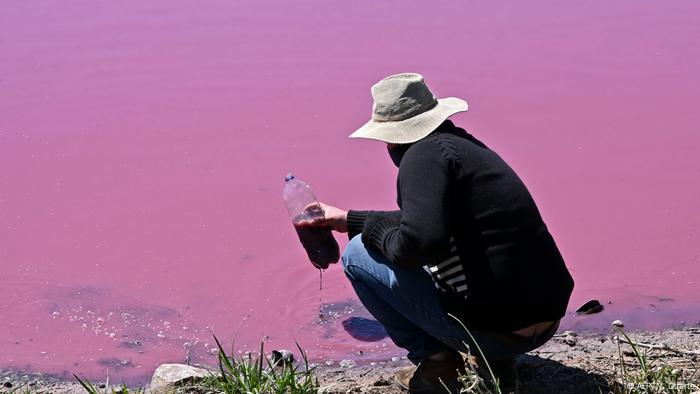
(143, 148)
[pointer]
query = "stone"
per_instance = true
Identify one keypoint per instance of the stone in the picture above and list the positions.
(381, 381)
(282, 357)
(569, 340)
(168, 376)
(590, 307)
(347, 364)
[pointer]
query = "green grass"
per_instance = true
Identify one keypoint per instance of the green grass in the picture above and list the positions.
(261, 375)
(92, 389)
(645, 376)
(243, 374)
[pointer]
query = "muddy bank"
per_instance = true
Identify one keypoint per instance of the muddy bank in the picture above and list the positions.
(569, 363)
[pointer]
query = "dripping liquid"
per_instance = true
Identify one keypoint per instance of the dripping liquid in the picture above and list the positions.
(321, 317)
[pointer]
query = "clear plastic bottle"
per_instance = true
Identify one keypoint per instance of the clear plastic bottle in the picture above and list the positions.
(305, 211)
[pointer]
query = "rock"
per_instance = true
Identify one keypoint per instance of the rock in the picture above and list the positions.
(168, 376)
(571, 341)
(591, 307)
(381, 381)
(568, 337)
(131, 343)
(347, 364)
(7, 384)
(282, 357)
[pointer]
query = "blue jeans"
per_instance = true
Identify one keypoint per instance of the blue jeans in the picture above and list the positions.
(405, 301)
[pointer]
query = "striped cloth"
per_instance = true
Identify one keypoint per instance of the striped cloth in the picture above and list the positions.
(449, 273)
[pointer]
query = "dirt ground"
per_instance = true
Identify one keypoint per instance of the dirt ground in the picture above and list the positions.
(569, 363)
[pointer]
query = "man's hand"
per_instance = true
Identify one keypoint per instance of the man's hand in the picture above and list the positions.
(336, 218)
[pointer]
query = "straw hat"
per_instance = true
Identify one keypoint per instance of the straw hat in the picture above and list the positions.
(405, 110)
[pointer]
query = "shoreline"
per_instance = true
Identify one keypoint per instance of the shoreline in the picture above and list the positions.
(569, 363)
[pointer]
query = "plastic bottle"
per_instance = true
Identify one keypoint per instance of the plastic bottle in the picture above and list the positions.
(305, 211)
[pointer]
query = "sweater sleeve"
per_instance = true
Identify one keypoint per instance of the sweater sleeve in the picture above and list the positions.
(422, 234)
(356, 219)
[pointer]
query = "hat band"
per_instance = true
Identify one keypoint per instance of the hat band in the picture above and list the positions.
(390, 113)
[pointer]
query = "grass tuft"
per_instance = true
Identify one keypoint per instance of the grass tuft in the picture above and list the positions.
(92, 389)
(243, 374)
(246, 374)
(645, 375)
(471, 381)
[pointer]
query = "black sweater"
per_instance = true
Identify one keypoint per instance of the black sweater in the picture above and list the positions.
(466, 216)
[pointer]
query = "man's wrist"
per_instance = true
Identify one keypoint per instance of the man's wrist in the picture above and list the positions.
(355, 221)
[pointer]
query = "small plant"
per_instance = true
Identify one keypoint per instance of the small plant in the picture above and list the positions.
(92, 389)
(471, 381)
(262, 375)
(647, 377)
(21, 389)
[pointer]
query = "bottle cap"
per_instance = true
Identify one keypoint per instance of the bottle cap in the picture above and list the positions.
(289, 177)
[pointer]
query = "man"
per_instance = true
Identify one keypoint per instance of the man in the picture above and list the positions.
(468, 240)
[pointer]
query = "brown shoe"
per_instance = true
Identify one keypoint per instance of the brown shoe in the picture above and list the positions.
(425, 378)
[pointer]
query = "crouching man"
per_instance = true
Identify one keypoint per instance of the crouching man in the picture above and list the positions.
(468, 240)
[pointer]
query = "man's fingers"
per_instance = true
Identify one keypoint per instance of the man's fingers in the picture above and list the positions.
(314, 205)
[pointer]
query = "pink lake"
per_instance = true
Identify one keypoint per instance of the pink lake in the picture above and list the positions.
(143, 147)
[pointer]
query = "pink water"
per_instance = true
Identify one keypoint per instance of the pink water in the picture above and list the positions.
(143, 148)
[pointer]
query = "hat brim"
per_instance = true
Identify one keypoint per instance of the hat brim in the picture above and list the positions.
(412, 129)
